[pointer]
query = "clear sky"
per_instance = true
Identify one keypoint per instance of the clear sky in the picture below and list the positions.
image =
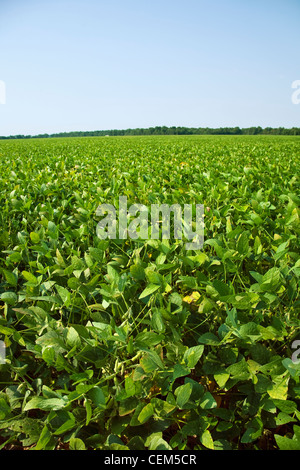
(114, 64)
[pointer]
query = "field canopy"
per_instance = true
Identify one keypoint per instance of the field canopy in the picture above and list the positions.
(143, 344)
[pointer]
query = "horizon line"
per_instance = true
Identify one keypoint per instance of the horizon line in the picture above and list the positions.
(165, 130)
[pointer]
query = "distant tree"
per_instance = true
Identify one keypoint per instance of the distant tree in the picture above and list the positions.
(164, 130)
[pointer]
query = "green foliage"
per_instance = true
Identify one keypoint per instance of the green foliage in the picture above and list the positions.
(140, 344)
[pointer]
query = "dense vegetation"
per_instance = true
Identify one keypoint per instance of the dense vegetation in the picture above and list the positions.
(140, 344)
(164, 130)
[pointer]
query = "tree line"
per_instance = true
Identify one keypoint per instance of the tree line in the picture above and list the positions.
(164, 130)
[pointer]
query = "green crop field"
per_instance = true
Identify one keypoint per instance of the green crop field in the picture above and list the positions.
(142, 344)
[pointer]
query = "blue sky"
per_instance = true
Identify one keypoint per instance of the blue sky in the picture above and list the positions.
(90, 65)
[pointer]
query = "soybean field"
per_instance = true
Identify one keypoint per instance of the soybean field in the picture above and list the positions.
(132, 344)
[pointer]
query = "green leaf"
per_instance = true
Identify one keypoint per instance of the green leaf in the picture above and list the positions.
(222, 288)
(9, 298)
(249, 330)
(10, 277)
(158, 443)
(151, 361)
(5, 330)
(183, 394)
(146, 413)
(192, 356)
(209, 339)
(157, 322)
(284, 418)
(4, 409)
(66, 426)
(64, 294)
(286, 406)
(44, 439)
(243, 243)
(221, 378)
(279, 388)
(284, 443)
(46, 404)
(30, 278)
(130, 386)
(89, 411)
(180, 371)
(15, 257)
(207, 401)
(77, 444)
(239, 370)
(207, 440)
(271, 280)
(97, 396)
(119, 424)
(137, 272)
(73, 338)
(129, 405)
(150, 289)
(250, 435)
(35, 238)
